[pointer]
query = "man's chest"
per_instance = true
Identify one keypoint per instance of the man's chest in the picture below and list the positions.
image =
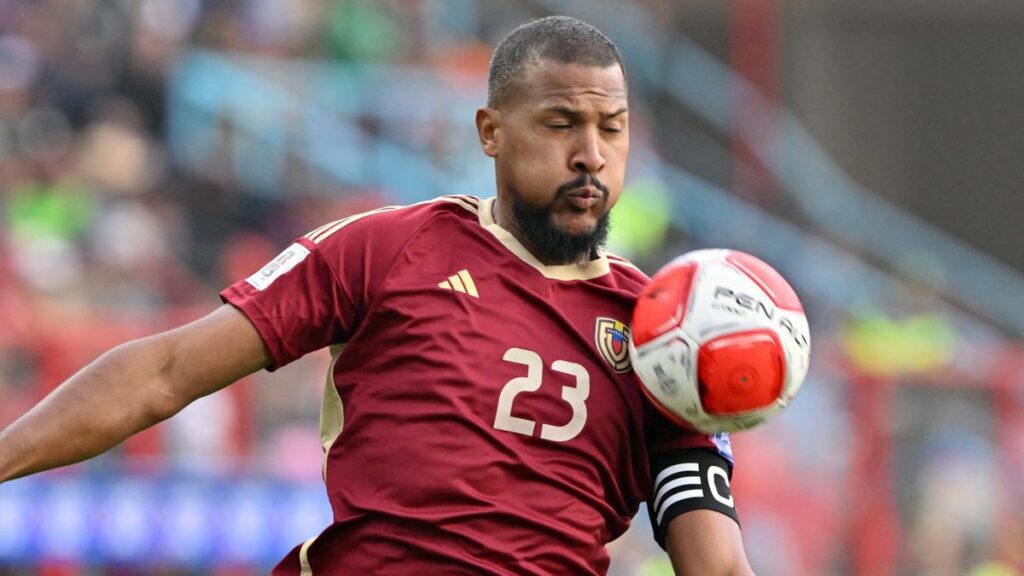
(537, 360)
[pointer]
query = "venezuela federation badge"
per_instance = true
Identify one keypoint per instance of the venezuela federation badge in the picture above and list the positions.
(612, 339)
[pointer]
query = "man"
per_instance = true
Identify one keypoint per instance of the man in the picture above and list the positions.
(481, 416)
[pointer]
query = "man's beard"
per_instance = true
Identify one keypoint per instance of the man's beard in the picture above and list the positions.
(553, 244)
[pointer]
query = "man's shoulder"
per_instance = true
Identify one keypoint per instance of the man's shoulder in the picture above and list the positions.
(461, 206)
(626, 273)
(400, 221)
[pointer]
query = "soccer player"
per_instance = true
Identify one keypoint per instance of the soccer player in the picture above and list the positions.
(480, 416)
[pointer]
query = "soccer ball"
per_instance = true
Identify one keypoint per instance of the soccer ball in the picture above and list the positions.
(720, 341)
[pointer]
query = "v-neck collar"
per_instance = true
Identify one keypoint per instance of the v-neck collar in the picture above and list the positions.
(585, 271)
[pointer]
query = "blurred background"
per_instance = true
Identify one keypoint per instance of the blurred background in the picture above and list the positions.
(153, 151)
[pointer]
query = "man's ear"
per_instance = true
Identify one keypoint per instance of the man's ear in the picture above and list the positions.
(488, 129)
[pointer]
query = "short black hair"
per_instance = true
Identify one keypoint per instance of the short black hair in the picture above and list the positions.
(560, 38)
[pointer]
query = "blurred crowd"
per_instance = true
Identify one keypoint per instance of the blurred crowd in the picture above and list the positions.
(104, 236)
(109, 231)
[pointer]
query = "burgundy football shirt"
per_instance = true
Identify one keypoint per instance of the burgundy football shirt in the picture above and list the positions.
(481, 416)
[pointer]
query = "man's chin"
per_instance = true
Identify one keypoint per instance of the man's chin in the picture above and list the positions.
(577, 224)
(561, 237)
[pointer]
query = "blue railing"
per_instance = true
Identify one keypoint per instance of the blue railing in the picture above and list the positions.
(182, 521)
(273, 123)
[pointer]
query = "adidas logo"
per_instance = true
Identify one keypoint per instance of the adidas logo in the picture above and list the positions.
(461, 282)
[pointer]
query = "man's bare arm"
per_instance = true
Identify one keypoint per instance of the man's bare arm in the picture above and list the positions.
(706, 543)
(130, 388)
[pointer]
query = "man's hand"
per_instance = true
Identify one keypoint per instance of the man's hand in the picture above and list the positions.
(130, 388)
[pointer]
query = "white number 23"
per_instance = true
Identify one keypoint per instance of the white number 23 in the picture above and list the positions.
(574, 396)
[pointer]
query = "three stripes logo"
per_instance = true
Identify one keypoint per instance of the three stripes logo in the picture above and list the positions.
(684, 482)
(462, 282)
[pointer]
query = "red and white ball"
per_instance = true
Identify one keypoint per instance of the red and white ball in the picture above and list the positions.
(720, 341)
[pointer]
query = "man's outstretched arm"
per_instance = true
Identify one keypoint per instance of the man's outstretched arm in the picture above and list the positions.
(131, 387)
(706, 543)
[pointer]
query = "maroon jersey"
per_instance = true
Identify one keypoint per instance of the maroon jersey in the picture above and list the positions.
(481, 416)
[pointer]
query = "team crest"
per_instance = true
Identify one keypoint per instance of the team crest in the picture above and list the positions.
(612, 339)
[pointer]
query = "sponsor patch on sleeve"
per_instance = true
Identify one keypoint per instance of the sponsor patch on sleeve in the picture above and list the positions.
(285, 261)
(724, 444)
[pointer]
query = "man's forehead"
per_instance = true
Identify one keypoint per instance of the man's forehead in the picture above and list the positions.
(547, 82)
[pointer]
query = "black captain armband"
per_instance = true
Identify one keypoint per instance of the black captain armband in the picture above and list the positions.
(696, 479)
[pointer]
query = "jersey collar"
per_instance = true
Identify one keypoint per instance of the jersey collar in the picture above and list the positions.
(585, 271)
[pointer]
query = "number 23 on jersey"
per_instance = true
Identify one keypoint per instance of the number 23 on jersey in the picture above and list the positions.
(575, 396)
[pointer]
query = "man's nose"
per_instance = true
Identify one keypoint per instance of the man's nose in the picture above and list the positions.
(587, 156)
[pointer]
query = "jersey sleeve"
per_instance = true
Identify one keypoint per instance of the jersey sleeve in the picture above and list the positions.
(690, 470)
(664, 437)
(317, 291)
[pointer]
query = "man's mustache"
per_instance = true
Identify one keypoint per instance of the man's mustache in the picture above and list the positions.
(579, 182)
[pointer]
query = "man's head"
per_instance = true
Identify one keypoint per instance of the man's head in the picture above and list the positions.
(556, 124)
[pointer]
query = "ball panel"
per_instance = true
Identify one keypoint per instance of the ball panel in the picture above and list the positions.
(773, 284)
(740, 372)
(666, 412)
(662, 305)
(724, 299)
(796, 341)
(666, 364)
